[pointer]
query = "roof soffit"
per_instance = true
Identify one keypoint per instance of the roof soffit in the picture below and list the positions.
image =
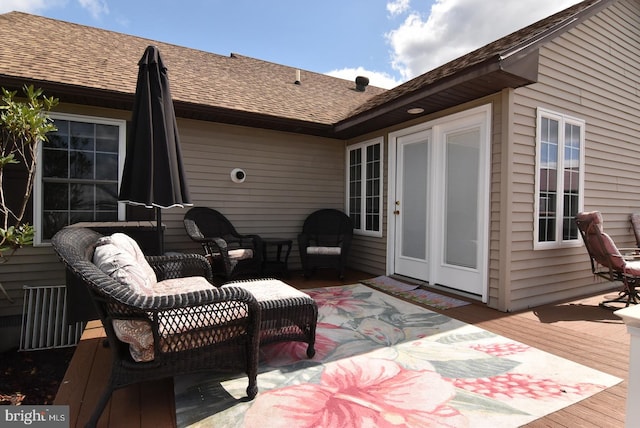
(475, 82)
(509, 62)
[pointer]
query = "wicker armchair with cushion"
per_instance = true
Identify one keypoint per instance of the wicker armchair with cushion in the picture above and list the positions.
(325, 241)
(161, 315)
(231, 254)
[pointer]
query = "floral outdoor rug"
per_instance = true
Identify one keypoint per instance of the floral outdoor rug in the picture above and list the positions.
(384, 362)
(414, 292)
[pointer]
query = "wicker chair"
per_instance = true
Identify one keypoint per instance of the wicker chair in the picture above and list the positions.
(325, 241)
(231, 254)
(206, 329)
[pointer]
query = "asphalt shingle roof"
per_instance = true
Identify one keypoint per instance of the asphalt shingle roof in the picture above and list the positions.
(72, 56)
(43, 49)
(522, 38)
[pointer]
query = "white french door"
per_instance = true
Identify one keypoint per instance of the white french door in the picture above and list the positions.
(439, 219)
(411, 212)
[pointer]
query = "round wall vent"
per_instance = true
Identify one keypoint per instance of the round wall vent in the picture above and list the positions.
(238, 175)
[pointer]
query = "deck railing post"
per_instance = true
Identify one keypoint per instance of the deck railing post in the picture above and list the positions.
(631, 317)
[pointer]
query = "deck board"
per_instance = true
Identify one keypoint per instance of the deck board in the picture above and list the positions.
(99, 375)
(579, 331)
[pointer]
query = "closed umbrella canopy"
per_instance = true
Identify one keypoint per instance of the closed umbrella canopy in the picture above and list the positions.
(153, 173)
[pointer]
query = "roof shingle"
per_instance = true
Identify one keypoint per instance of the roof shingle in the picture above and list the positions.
(235, 87)
(40, 49)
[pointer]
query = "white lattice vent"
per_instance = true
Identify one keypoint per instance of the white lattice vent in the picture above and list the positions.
(44, 319)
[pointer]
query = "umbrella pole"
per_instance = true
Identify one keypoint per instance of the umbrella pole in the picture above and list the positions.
(159, 231)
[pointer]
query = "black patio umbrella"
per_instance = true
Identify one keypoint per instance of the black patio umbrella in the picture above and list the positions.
(153, 174)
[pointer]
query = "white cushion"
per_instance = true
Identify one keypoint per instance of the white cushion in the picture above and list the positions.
(241, 254)
(122, 260)
(237, 254)
(137, 333)
(131, 246)
(324, 251)
(120, 257)
(266, 290)
(632, 268)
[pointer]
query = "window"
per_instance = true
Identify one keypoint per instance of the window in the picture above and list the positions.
(78, 174)
(559, 179)
(364, 187)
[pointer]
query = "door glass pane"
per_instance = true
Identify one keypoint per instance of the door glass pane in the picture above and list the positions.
(461, 198)
(413, 208)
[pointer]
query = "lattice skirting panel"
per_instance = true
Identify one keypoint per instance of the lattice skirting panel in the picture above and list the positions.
(44, 319)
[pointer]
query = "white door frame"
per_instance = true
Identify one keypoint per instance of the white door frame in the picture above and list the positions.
(485, 154)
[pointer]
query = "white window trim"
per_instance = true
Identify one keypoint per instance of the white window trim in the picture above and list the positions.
(562, 120)
(37, 185)
(363, 145)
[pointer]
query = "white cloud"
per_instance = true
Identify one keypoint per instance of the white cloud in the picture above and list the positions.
(376, 78)
(428, 39)
(96, 8)
(29, 6)
(396, 7)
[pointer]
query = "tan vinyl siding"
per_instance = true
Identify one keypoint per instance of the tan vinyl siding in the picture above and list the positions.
(39, 266)
(288, 177)
(32, 266)
(592, 73)
(369, 253)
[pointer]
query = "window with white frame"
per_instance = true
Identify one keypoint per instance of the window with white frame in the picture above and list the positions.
(78, 173)
(364, 187)
(559, 179)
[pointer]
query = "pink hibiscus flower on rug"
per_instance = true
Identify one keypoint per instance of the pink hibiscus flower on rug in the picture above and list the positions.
(284, 353)
(332, 299)
(515, 385)
(502, 349)
(360, 392)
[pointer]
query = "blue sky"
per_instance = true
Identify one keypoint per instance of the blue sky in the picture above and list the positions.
(389, 41)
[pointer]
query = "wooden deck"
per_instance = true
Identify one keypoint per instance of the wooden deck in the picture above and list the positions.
(578, 330)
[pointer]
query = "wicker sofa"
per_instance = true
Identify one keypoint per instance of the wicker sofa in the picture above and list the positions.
(178, 321)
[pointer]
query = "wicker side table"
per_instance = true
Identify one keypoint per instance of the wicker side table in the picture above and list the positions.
(287, 314)
(276, 261)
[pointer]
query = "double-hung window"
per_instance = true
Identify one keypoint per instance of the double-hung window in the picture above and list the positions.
(559, 179)
(364, 187)
(78, 174)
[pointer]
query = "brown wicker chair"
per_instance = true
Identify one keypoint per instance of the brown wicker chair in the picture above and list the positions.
(608, 261)
(231, 254)
(210, 329)
(325, 241)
